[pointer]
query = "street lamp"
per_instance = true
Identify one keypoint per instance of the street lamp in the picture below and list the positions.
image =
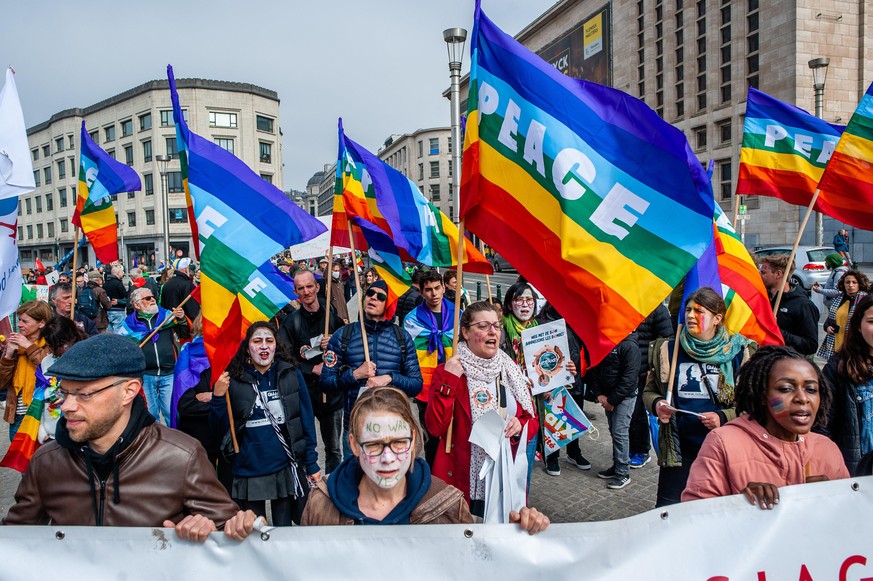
(163, 161)
(455, 39)
(819, 68)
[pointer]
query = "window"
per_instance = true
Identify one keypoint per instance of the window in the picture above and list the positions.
(128, 154)
(35, 153)
(38, 204)
(150, 217)
(62, 169)
(724, 175)
(36, 177)
(59, 144)
(420, 148)
(50, 229)
(178, 216)
(420, 171)
(64, 225)
(449, 141)
(72, 144)
(29, 232)
(434, 169)
(147, 151)
(434, 144)
(110, 153)
(21, 232)
(224, 143)
(46, 150)
(167, 118)
(726, 35)
(49, 202)
(267, 177)
(95, 136)
(753, 42)
(266, 150)
(753, 5)
(174, 182)
(39, 230)
(753, 22)
(148, 184)
(127, 127)
(172, 149)
(724, 132)
(218, 119)
(28, 208)
(699, 137)
(753, 63)
(47, 174)
(131, 195)
(434, 192)
(131, 219)
(145, 121)
(264, 123)
(62, 197)
(109, 133)
(726, 54)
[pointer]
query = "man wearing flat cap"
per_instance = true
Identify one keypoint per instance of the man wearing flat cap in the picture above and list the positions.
(112, 464)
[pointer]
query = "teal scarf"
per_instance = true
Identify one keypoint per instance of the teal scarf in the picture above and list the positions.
(720, 350)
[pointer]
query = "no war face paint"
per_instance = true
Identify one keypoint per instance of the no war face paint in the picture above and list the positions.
(390, 432)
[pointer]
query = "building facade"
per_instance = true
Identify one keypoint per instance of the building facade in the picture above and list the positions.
(692, 61)
(135, 127)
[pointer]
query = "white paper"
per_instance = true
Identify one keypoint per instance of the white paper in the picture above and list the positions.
(505, 477)
(546, 352)
(315, 347)
(487, 432)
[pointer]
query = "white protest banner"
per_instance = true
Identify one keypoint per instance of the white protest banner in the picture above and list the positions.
(318, 246)
(546, 352)
(817, 532)
(563, 420)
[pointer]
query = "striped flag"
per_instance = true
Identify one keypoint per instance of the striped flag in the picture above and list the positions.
(100, 177)
(847, 184)
(26, 440)
(242, 221)
(785, 150)
(584, 189)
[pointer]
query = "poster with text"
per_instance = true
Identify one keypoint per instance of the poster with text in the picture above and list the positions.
(546, 353)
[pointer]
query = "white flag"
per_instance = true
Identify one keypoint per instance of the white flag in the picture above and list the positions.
(16, 169)
(10, 271)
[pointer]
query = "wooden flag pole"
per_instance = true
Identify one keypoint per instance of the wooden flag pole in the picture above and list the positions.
(488, 283)
(164, 322)
(75, 261)
(457, 325)
(673, 364)
(358, 294)
(230, 419)
(791, 256)
(328, 280)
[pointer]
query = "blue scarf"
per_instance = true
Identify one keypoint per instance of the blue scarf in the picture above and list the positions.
(435, 338)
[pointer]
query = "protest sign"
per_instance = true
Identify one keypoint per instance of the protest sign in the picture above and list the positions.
(546, 352)
(563, 420)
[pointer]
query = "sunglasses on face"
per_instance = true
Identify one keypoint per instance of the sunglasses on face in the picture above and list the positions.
(381, 297)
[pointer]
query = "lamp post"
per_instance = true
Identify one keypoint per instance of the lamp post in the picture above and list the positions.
(819, 68)
(163, 161)
(455, 39)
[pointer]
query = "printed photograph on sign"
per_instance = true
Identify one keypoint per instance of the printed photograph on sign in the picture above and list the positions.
(546, 352)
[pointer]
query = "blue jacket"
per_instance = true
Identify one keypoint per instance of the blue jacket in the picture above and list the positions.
(385, 352)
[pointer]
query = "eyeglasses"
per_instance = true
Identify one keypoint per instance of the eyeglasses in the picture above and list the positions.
(523, 301)
(84, 397)
(376, 449)
(485, 325)
(379, 296)
(148, 298)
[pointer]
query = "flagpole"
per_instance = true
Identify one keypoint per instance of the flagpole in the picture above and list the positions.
(673, 364)
(459, 287)
(791, 256)
(164, 322)
(358, 294)
(487, 277)
(328, 281)
(75, 260)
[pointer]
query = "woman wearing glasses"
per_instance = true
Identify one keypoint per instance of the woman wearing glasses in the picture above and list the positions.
(274, 424)
(387, 481)
(478, 379)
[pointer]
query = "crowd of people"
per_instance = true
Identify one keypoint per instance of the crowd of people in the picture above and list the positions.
(128, 400)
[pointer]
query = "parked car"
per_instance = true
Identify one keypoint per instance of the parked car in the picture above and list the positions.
(809, 263)
(500, 264)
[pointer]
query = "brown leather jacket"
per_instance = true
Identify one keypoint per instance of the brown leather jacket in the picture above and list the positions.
(163, 475)
(441, 505)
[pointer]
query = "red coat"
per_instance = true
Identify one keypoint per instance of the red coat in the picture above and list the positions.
(450, 400)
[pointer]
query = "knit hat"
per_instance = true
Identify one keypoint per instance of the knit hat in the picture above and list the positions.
(833, 260)
(98, 357)
(182, 263)
(95, 275)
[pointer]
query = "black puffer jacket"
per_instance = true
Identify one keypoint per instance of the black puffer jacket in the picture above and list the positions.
(176, 290)
(798, 320)
(846, 416)
(115, 290)
(656, 326)
(616, 376)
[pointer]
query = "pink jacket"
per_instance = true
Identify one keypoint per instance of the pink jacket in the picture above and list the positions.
(742, 451)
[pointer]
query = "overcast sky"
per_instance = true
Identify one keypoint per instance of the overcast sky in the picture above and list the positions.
(380, 64)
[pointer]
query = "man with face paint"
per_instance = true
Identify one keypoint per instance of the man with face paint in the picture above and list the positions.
(392, 356)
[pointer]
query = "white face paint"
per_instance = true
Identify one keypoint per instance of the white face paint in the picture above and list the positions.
(262, 349)
(389, 468)
(524, 305)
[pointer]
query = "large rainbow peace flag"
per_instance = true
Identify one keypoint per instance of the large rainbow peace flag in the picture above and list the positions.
(100, 177)
(785, 150)
(584, 189)
(242, 221)
(847, 184)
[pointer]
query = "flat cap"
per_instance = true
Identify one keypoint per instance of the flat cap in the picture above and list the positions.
(100, 356)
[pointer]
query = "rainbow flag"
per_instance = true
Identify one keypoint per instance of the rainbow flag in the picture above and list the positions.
(784, 151)
(100, 177)
(26, 440)
(584, 189)
(432, 342)
(242, 222)
(847, 183)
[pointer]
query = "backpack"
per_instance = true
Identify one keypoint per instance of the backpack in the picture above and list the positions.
(86, 303)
